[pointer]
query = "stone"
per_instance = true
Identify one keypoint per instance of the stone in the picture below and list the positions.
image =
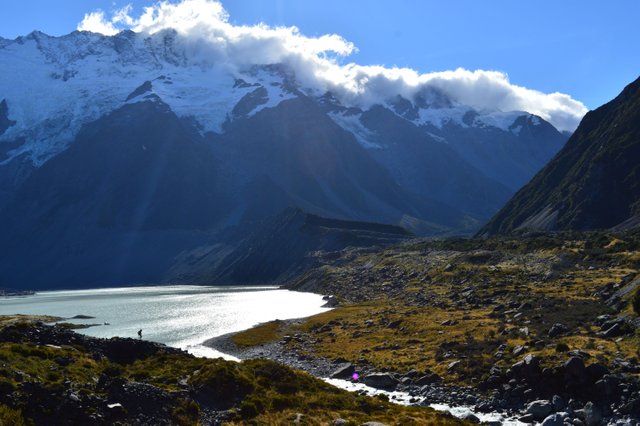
(575, 372)
(331, 302)
(556, 419)
(532, 360)
(380, 380)
(470, 417)
(373, 424)
(557, 329)
(526, 306)
(448, 268)
(590, 414)
(558, 403)
(527, 418)
(616, 330)
(519, 350)
(427, 379)
(607, 386)
(340, 422)
(394, 324)
(345, 371)
(73, 397)
(453, 366)
(596, 371)
(63, 360)
(540, 409)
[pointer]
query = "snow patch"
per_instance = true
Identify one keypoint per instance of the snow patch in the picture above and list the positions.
(276, 91)
(497, 119)
(352, 124)
(437, 138)
(517, 129)
(439, 117)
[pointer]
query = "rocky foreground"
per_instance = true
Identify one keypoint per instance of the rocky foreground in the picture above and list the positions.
(541, 327)
(50, 375)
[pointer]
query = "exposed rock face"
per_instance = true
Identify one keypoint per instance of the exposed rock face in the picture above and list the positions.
(592, 183)
(5, 123)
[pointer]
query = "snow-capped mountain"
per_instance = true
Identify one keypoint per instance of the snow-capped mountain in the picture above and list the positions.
(144, 145)
(51, 86)
(54, 85)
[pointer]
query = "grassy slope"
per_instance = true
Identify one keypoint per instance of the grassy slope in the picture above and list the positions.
(562, 278)
(256, 392)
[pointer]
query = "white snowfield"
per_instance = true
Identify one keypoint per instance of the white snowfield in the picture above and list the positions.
(54, 85)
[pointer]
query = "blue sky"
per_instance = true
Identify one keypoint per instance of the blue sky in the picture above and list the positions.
(587, 49)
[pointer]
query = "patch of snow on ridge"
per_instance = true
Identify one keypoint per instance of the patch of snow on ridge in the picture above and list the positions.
(439, 117)
(437, 138)
(516, 130)
(498, 119)
(207, 95)
(353, 125)
(276, 91)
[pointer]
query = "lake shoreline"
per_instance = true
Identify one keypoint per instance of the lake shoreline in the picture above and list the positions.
(176, 315)
(442, 395)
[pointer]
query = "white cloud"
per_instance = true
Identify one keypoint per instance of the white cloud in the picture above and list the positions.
(205, 30)
(97, 23)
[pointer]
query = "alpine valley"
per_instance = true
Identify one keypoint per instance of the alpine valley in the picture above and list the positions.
(468, 253)
(130, 158)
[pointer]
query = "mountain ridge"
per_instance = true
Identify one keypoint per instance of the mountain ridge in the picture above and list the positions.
(125, 152)
(592, 183)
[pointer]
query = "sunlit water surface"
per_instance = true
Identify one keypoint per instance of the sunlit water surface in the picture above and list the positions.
(179, 316)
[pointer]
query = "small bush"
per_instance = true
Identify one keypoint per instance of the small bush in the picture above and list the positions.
(248, 409)
(562, 347)
(113, 371)
(223, 382)
(186, 412)
(10, 417)
(635, 302)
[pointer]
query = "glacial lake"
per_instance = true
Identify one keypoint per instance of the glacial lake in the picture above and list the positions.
(179, 316)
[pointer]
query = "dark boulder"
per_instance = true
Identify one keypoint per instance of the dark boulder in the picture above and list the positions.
(345, 371)
(575, 373)
(557, 329)
(596, 371)
(380, 381)
(540, 409)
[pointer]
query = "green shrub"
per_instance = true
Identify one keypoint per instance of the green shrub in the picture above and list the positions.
(283, 402)
(562, 347)
(186, 412)
(223, 382)
(248, 409)
(282, 379)
(113, 371)
(10, 417)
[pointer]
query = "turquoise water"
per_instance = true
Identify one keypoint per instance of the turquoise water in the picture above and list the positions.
(179, 316)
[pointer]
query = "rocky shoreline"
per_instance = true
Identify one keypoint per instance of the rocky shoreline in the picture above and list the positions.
(571, 393)
(423, 389)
